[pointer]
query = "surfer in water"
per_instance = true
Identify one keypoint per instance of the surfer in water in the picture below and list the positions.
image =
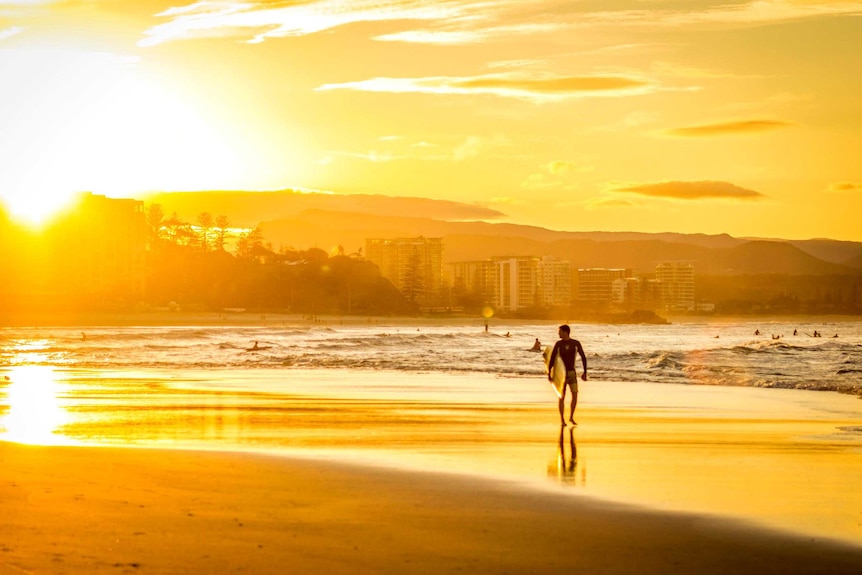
(567, 347)
(537, 345)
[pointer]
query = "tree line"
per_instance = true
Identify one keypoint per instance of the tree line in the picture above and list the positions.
(200, 266)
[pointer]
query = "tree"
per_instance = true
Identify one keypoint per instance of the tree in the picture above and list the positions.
(250, 245)
(414, 281)
(155, 218)
(205, 221)
(221, 227)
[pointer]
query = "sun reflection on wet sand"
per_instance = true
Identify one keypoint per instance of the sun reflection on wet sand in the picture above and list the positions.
(35, 411)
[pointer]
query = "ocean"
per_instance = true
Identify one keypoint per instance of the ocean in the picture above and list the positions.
(667, 409)
(204, 386)
(726, 353)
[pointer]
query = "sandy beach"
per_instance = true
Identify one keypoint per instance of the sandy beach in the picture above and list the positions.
(96, 510)
(655, 479)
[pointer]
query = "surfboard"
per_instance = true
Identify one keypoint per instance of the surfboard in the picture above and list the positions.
(259, 348)
(558, 380)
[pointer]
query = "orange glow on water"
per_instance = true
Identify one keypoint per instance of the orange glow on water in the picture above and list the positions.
(36, 411)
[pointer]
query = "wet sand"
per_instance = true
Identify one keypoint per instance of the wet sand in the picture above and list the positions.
(389, 478)
(110, 510)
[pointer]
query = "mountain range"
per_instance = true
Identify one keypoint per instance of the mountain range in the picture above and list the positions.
(301, 220)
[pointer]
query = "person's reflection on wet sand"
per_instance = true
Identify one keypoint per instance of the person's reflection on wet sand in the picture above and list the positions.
(565, 467)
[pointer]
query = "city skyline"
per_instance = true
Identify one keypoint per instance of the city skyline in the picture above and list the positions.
(728, 117)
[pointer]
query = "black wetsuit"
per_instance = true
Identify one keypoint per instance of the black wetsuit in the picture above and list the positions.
(567, 349)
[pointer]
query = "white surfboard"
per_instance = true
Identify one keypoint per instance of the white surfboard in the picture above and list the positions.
(558, 374)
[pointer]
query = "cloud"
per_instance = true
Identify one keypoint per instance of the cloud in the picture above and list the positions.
(690, 190)
(845, 187)
(548, 88)
(448, 22)
(9, 32)
(729, 128)
(457, 150)
(259, 21)
(602, 203)
(553, 175)
(733, 15)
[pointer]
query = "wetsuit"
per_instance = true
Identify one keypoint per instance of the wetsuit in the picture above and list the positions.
(567, 349)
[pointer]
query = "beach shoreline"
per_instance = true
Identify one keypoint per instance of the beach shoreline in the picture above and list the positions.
(782, 459)
(273, 319)
(108, 510)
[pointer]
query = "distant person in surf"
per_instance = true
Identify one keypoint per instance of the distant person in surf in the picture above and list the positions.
(537, 345)
(567, 347)
(254, 347)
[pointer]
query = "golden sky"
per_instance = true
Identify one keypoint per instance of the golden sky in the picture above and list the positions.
(733, 116)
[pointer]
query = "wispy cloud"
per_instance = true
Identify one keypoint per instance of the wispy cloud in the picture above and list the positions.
(258, 21)
(602, 203)
(9, 32)
(507, 86)
(458, 149)
(845, 187)
(689, 190)
(729, 128)
(554, 174)
(461, 21)
(751, 13)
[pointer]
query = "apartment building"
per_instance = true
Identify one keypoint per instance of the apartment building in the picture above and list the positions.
(675, 281)
(413, 265)
(99, 247)
(510, 283)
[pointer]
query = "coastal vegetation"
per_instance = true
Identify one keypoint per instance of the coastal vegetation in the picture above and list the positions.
(204, 263)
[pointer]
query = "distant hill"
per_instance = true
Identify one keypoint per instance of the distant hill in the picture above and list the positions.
(465, 241)
(291, 218)
(247, 209)
(840, 252)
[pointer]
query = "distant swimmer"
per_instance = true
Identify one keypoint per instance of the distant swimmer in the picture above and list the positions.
(794, 332)
(757, 332)
(508, 334)
(83, 336)
(834, 336)
(537, 345)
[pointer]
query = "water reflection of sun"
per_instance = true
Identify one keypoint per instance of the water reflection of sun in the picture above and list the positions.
(35, 412)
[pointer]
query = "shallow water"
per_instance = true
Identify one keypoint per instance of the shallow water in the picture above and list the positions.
(668, 414)
(716, 353)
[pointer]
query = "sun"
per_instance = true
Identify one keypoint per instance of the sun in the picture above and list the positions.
(103, 123)
(36, 209)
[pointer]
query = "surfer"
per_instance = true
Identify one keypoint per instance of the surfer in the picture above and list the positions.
(254, 347)
(537, 345)
(566, 347)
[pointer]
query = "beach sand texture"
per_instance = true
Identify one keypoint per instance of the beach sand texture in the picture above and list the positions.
(767, 480)
(107, 510)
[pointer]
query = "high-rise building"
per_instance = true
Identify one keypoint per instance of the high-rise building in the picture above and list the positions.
(602, 285)
(675, 281)
(99, 249)
(511, 283)
(517, 282)
(555, 287)
(413, 265)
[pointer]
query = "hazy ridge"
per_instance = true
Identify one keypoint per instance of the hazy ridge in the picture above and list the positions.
(301, 220)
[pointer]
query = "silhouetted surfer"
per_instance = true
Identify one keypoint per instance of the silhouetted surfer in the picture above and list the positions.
(567, 348)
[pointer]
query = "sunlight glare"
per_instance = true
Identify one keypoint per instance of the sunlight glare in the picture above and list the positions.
(35, 412)
(102, 123)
